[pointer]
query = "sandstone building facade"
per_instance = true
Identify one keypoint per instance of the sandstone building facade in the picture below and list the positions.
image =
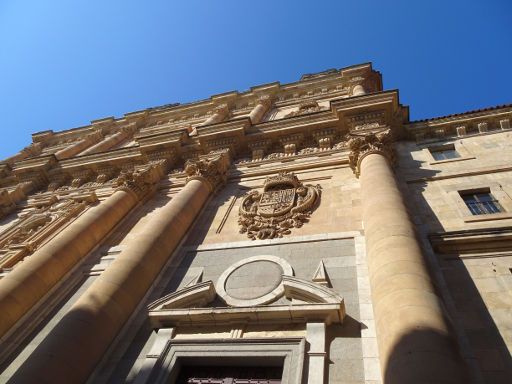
(293, 233)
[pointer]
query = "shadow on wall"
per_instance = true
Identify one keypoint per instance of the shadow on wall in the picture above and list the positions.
(479, 342)
(74, 287)
(405, 367)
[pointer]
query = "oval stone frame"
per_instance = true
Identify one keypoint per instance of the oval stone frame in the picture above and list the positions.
(274, 295)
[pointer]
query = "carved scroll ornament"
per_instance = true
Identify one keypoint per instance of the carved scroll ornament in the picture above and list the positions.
(284, 204)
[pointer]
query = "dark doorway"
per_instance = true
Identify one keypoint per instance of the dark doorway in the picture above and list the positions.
(229, 375)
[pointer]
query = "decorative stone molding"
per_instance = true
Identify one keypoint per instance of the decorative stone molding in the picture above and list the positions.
(366, 121)
(105, 174)
(309, 106)
(140, 180)
(197, 295)
(80, 177)
(36, 226)
(259, 148)
(482, 127)
(221, 143)
(211, 168)
(7, 203)
(266, 269)
(461, 130)
(309, 302)
(291, 143)
(284, 204)
(58, 180)
(439, 133)
(325, 138)
(364, 144)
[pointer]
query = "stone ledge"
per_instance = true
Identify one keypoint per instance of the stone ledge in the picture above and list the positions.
(489, 217)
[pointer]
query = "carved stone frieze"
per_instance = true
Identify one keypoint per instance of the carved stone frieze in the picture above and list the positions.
(259, 148)
(80, 177)
(367, 121)
(365, 144)
(325, 137)
(36, 226)
(285, 203)
(211, 168)
(305, 107)
(291, 143)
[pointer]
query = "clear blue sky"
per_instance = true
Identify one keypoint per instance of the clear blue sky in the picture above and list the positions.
(64, 63)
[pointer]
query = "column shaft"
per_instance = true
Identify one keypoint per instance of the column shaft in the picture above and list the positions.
(105, 144)
(358, 90)
(72, 149)
(76, 345)
(259, 111)
(413, 335)
(35, 276)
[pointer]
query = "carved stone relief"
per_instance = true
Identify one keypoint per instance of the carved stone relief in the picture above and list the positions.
(37, 226)
(306, 107)
(285, 203)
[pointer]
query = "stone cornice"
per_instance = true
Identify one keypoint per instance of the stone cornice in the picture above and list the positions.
(460, 125)
(156, 137)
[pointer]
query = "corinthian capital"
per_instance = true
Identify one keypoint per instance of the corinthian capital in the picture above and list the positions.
(139, 180)
(211, 168)
(362, 145)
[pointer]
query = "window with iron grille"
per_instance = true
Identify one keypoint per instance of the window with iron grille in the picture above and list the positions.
(481, 203)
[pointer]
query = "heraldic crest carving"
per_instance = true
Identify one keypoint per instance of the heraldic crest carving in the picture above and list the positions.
(284, 204)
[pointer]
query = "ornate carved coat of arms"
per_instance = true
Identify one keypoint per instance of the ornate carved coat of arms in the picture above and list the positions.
(284, 204)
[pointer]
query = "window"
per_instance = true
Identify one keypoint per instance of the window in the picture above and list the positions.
(444, 153)
(481, 203)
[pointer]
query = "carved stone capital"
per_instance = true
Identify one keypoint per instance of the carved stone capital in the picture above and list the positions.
(211, 168)
(362, 145)
(140, 180)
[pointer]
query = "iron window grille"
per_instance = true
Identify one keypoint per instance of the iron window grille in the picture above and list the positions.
(481, 203)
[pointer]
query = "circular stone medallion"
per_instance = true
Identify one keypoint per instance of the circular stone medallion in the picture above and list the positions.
(253, 281)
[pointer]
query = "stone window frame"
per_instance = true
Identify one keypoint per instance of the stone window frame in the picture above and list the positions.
(456, 145)
(163, 362)
(494, 188)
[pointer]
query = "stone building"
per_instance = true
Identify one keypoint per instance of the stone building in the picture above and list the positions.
(297, 233)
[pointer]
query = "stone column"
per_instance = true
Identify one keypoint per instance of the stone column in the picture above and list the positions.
(414, 338)
(75, 346)
(358, 90)
(109, 142)
(219, 114)
(260, 109)
(34, 277)
(78, 146)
